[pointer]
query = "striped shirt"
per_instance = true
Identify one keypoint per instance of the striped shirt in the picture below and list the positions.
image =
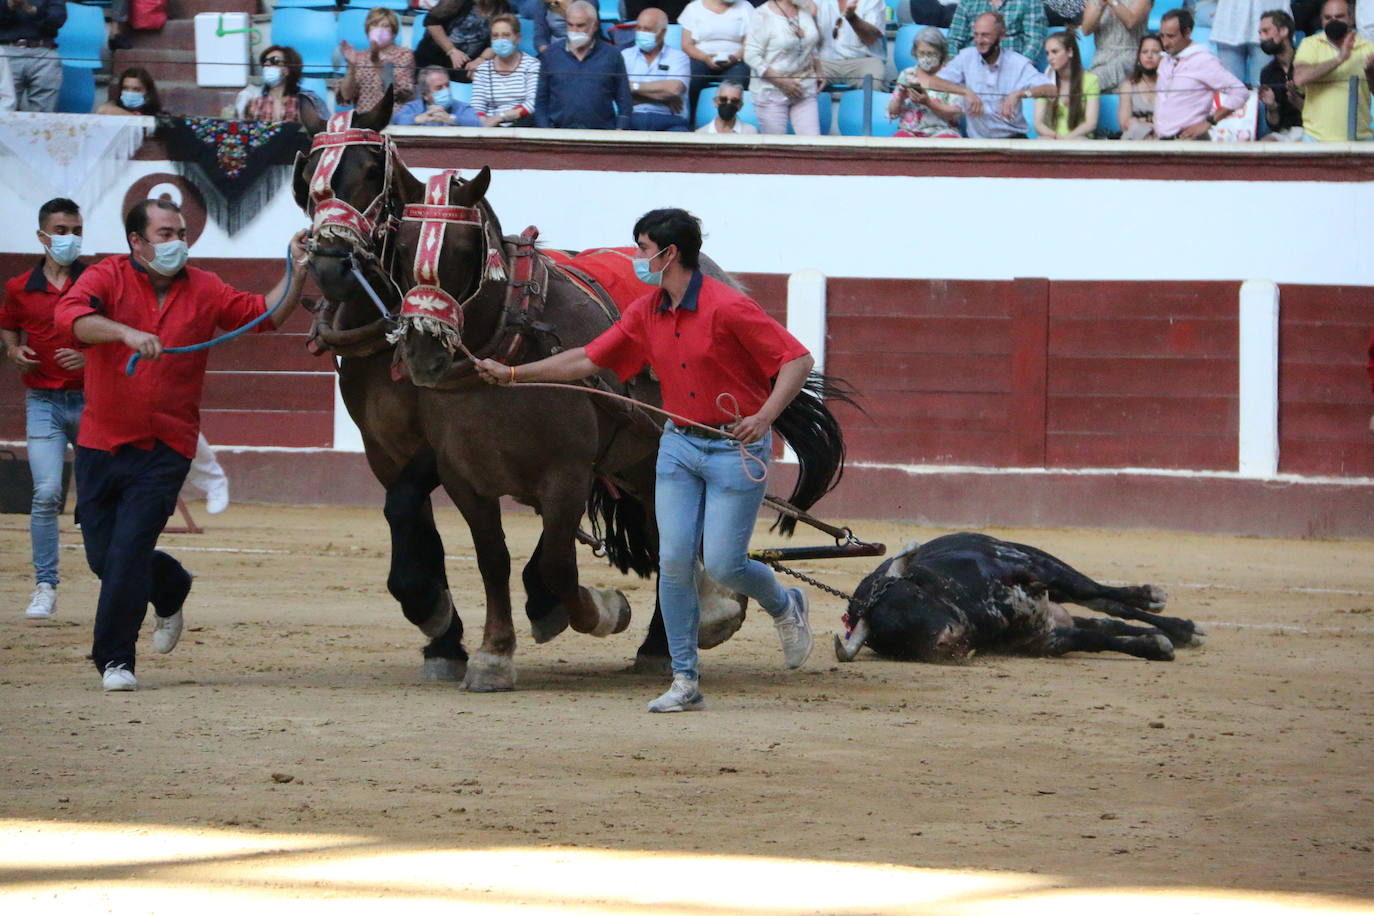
(493, 92)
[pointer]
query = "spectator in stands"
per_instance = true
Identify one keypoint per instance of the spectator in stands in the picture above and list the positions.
(7, 100)
(1024, 25)
(1324, 65)
(658, 76)
(381, 63)
(1138, 92)
(1070, 114)
(852, 42)
(1234, 31)
(782, 52)
(436, 106)
(582, 81)
(1189, 75)
(504, 88)
(670, 8)
(280, 97)
(1119, 25)
(729, 100)
(458, 34)
(119, 26)
(992, 80)
(713, 34)
(551, 25)
(28, 37)
(920, 113)
(134, 93)
(1281, 97)
(937, 13)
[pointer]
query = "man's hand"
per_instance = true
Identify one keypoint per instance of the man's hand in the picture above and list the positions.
(147, 346)
(22, 355)
(457, 58)
(1347, 46)
(71, 360)
(494, 373)
(1266, 96)
(973, 105)
(1011, 105)
(472, 64)
(298, 251)
(491, 120)
(1193, 131)
(750, 429)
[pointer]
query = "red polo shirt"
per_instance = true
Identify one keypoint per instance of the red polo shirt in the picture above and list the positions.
(28, 306)
(716, 340)
(161, 400)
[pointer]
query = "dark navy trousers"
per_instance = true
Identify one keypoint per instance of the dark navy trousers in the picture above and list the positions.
(124, 501)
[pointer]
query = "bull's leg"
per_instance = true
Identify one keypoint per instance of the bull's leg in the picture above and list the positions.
(1152, 646)
(542, 607)
(1112, 626)
(492, 667)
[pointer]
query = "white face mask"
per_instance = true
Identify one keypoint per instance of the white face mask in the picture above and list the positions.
(578, 40)
(271, 75)
(928, 62)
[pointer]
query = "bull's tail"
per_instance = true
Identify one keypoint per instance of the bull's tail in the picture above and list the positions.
(815, 436)
(620, 522)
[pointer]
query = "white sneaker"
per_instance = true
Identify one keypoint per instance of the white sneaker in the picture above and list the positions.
(217, 497)
(166, 632)
(43, 603)
(683, 696)
(118, 677)
(794, 629)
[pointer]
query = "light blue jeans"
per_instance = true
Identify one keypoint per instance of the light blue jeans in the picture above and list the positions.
(707, 506)
(1243, 61)
(52, 419)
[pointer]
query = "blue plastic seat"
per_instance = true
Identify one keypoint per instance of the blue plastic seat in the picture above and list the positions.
(352, 27)
(301, 5)
(609, 10)
(706, 108)
(1087, 47)
(317, 85)
(1028, 112)
(461, 91)
(851, 115)
(313, 34)
(673, 38)
(1108, 113)
(901, 46)
(527, 37)
(1203, 37)
(398, 6)
(81, 37)
(77, 95)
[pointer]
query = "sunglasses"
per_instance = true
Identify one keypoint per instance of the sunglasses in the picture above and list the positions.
(274, 62)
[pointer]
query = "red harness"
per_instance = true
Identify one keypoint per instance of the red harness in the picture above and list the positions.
(427, 301)
(332, 215)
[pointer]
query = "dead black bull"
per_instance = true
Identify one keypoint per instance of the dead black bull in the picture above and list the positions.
(944, 600)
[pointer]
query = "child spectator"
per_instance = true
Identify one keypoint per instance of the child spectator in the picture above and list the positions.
(1070, 114)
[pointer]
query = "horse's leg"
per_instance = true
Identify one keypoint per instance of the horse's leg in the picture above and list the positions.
(492, 667)
(542, 607)
(599, 612)
(652, 657)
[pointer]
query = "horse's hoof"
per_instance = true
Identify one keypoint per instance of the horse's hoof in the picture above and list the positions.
(657, 665)
(612, 611)
(489, 673)
(443, 669)
(722, 612)
(1158, 597)
(550, 625)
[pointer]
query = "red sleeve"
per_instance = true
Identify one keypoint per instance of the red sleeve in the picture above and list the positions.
(769, 344)
(9, 318)
(236, 308)
(622, 347)
(84, 297)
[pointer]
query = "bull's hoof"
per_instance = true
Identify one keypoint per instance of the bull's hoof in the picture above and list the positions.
(550, 625)
(657, 665)
(612, 611)
(443, 669)
(1158, 648)
(489, 673)
(1194, 638)
(1158, 597)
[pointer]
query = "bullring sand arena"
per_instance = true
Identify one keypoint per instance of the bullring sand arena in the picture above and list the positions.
(286, 756)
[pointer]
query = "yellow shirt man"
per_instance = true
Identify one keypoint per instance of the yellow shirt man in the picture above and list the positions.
(1326, 114)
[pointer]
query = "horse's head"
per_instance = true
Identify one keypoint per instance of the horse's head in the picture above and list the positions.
(450, 252)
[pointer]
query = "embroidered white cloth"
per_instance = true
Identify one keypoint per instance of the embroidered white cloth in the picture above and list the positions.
(67, 155)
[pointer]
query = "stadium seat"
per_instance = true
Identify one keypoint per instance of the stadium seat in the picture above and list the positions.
(77, 95)
(706, 108)
(901, 46)
(674, 37)
(302, 5)
(609, 10)
(314, 35)
(352, 27)
(851, 115)
(317, 85)
(397, 6)
(1203, 37)
(82, 36)
(527, 37)
(1108, 116)
(1028, 112)
(417, 30)
(1087, 45)
(461, 91)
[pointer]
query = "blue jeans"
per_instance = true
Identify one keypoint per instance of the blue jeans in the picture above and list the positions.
(652, 120)
(1243, 61)
(52, 420)
(707, 506)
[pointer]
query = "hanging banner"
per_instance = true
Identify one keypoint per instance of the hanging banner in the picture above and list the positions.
(77, 156)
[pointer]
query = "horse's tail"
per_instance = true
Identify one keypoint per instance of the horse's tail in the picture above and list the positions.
(621, 524)
(815, 436)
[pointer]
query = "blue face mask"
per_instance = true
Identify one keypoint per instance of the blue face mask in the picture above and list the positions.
(271, 75)
(169, 257)
(64, 249)
(131, 100)
(503, 47)
(645, 275)
(443, 98)
(646, 41)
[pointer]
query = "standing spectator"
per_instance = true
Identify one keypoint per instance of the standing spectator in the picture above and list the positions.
(1023, 25)
(551, 25)
(992, 80)
(658, 76)
(1119, 25)
(1324, 64)
(1071, 113)
(28, 37)
(729, 100)
(852, 42)
(713, 33)
(436, 106)
(134, 93)
(7, 99)
(280, 97)
(671, 8)
(138, 434)
(1234, 32)
(582, 80)
(920, 113)
(1189, 75)
(367, 77)
(52, 373)
(1282, 98)
(937, 13)
(782, 52)
(1138, 92)
(119, 26)
(504, 88)
(458, 34)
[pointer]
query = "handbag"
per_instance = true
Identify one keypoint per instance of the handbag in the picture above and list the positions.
(147, 15)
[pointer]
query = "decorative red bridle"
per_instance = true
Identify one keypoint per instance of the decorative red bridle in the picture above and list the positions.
(335, 217)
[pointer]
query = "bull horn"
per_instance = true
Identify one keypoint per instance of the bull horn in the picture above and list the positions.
(846, 649)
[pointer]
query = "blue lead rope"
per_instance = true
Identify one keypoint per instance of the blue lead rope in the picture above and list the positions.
(230, 335)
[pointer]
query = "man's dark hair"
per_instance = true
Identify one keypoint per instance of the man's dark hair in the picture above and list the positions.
(1182, 17)
(1281, 20)
(673, 226)
(732, 82)
(136, 222)
(57, 205)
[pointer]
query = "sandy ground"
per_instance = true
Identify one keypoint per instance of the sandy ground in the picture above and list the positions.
(287, 750)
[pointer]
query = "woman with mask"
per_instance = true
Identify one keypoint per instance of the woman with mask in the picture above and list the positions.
(1070, 114)
(134, 93)
(921, 113)
(364, 83)
(713, 33)
(729, 100)
(458, 35)
(781, 50)
(280, 96)
(1138, 92)
(1118, 26)
(504, 88)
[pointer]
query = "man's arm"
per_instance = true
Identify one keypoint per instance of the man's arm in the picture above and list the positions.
(97, 329)
(288, 288)
(624, 104)
(541, 96)
(973, 105)
(1305, 74)
(869, 27)
(568, 366)
(16, 351)
(791, 378)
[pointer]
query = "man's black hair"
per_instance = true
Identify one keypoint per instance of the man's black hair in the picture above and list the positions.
(1281, 20)
(136, 222)
(1183, 17)
(673, 226)
(57, 205)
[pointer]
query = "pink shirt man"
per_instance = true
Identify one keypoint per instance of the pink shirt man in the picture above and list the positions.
(1187, 81)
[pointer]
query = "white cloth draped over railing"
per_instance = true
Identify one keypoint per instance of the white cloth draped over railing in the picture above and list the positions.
(77, 156)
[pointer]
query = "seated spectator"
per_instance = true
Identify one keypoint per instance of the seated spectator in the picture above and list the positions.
(134, 93)
(458, 34)
(1323, 66)
(781, 50)
(713, 37)
(504, 88)
(551, 25)
(28, 37)
(1281, 97)
(920, 113)
(370, 69)
(280, 96)
(436, 106)
(1023, 25)
(1118, 26)
(1070, 114)
(937, 13)
(582, 80)
(1189, 75)
(852, 42)
(993, 80)
(1138, 92)
(729, 100)
(658, 76)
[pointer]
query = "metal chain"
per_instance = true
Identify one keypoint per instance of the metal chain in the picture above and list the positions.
(814, 583)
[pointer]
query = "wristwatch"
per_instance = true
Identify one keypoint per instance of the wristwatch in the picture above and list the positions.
(634, 87)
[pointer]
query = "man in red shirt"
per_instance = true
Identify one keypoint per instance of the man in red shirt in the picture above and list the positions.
(52, 374)
(704, 340)
(139, 432)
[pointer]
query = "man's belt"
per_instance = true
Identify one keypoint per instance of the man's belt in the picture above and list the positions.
(31, 43)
